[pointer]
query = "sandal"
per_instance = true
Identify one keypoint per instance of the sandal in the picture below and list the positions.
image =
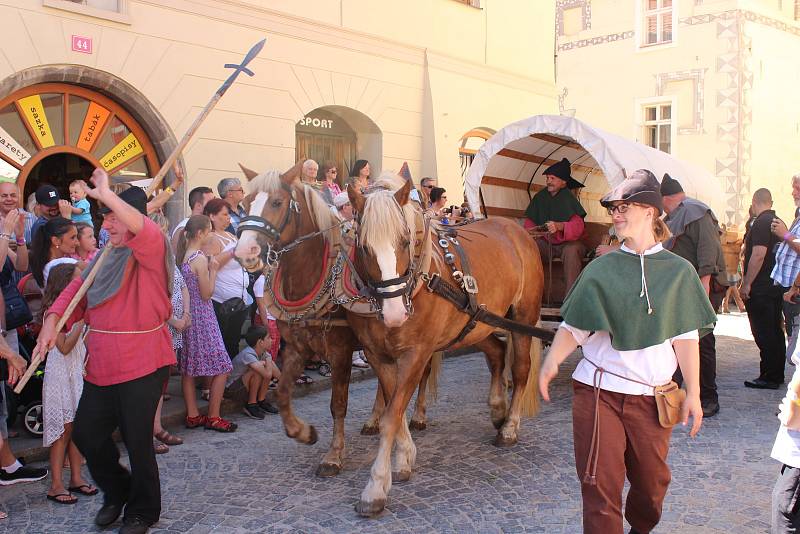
(220, 425)
(160, 448)
(87, 492)
(71, 499)
(3, 515)
(324, 369)
(196, 421)
(304, 379)
(313, 366)
(168, 439)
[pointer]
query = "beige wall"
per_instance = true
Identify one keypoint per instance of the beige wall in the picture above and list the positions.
(493, 66)
(731, 73)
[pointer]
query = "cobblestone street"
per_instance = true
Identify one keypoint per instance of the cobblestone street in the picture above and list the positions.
(257, 480)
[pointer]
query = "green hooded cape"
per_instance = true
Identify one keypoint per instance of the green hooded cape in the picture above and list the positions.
(606, 297)
(544, 207)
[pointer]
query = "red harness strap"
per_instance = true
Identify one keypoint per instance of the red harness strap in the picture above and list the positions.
(305, 300)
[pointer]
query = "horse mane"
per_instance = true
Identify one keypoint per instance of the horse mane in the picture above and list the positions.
(381, 221)
(324, 216)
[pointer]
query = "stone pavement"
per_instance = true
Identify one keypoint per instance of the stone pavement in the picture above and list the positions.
(257, 480)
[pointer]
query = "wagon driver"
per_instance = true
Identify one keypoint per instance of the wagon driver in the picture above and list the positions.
(558, 211)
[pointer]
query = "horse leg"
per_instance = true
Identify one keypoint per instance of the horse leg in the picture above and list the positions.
(295, 427)
(339, 356)
(523, 371)
(418, 420)
(373, 498)
(371, 428)
(494, 349)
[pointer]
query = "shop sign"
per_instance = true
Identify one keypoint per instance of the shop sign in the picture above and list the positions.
(96, 117)
(127, 149)
(11, 149)
(81, 44)
(316, 122)
(33, 111)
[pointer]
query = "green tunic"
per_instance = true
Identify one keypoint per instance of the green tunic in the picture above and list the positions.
(608, 296)
(559, 208)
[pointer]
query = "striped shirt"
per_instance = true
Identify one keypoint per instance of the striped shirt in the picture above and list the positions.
(787, 261)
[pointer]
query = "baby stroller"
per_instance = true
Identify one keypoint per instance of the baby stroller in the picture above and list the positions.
(29, 401)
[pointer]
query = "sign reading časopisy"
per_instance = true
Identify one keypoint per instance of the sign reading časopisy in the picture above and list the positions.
(127, 149)
(11, 149)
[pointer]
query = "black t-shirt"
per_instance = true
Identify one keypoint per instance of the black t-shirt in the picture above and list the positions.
(760, 234)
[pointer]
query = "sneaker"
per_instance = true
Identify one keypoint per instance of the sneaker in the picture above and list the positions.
(267, 407)
(358, 362)
(25, 473)
(253, 411)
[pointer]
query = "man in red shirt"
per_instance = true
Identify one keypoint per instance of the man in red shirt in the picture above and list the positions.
(129, 351)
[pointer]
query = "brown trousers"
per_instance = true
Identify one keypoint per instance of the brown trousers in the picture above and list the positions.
(571, 254)
(631, 443)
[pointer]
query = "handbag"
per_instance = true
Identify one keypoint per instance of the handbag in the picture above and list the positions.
(233, 306)
(17, 311)
(669, 400)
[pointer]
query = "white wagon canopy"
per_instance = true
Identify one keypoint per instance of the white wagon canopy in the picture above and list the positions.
(507, 170)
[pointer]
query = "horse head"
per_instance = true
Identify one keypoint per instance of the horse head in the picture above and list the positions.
(273, 216)
(385, 232)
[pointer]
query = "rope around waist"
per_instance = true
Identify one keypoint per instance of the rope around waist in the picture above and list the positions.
(155, 329)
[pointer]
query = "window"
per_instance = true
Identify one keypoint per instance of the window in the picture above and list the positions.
(796, 9)
(658, 126)
(116, 10)
(658, 16)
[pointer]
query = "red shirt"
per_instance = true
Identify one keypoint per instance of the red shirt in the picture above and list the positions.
(142, 303)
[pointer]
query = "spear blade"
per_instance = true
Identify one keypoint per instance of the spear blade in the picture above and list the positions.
(242, 67)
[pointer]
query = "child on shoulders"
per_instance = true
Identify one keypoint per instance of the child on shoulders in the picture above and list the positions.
(253, 366)
(81, 210)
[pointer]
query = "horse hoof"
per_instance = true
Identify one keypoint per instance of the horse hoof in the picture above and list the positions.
(498, 423)
(312, 435)
(368, 430)
(328, 470)
(370, 509)
(502, 441)
(417, 425)
(401, 476)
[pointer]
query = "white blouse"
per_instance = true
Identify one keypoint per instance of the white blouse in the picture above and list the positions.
(652, 365)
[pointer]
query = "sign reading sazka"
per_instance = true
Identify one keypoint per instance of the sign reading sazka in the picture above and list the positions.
(33, 110)
(127, 149)
(96, 117)
(11, 149)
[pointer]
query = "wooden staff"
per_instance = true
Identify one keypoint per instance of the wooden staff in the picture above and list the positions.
(242, 67)
(87, 282)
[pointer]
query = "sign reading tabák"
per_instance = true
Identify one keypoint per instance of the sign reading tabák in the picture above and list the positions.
(11, 149)
(33, 110)
(96, 117)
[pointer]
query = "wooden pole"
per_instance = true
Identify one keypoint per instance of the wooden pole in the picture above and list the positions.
(87, 282)
(239, 68)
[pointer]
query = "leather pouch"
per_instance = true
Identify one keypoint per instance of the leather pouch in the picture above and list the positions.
(669, 399)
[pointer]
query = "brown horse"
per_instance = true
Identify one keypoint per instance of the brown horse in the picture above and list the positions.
(505, 263)
(295, 210)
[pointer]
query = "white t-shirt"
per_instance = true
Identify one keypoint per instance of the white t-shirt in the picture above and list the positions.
(258, 291)
(180, 226)
(787, 443)
(232, 279)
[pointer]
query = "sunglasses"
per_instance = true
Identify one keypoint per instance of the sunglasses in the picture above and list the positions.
(428, 186)
(332, 171)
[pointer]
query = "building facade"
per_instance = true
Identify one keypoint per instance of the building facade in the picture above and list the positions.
(118, 82)
(713, 82)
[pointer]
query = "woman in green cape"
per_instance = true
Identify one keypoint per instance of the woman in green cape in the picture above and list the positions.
(637, 313)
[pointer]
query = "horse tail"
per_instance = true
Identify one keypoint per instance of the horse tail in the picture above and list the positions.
(433, 379)
(530, 397)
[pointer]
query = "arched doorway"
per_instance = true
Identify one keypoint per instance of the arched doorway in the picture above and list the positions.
(58, 132)
(339, 134)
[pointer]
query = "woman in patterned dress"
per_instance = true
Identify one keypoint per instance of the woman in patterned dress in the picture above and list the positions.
(203, 351)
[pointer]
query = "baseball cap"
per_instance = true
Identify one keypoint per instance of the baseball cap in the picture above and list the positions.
(47, 195)
(134, 196)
